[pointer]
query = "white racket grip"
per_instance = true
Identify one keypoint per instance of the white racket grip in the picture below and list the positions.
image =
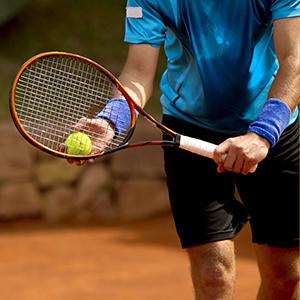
(202, 148)
(197, 146)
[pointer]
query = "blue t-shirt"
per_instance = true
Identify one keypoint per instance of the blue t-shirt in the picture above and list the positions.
(220, 55)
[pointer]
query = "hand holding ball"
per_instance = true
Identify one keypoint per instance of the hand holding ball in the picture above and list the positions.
(78, 143)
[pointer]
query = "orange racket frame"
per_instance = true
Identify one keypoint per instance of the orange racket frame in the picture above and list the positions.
(133, 106)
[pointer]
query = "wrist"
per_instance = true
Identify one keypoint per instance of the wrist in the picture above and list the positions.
(272, 121)
(117, 112)
(260, 139)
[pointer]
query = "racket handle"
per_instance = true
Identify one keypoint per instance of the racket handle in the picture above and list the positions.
(201, 148)
(197, 146)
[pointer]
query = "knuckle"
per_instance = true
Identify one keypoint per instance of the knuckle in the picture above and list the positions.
(238, 149)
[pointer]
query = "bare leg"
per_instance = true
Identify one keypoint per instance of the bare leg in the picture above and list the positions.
(213, 270)
(279, 269)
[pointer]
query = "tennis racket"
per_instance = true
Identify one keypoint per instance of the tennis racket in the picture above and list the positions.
(57, 93)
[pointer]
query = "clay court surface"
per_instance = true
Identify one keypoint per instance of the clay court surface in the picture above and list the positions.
(137, 261)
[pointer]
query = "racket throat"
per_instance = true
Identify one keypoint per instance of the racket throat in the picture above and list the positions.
(176, 140)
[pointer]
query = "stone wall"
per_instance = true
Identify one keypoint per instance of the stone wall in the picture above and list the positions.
(127, 185)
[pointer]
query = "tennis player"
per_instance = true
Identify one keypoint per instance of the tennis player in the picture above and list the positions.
(233, 79)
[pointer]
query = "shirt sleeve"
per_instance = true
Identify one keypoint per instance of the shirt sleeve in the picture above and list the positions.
(144, 23)
(285, 9)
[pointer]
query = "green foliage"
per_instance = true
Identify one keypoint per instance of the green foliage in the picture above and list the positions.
(91, 28)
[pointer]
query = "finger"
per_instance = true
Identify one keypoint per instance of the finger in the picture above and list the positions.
(220, 153)
(221, 169)
(80, 162)
(253, 168)
(75, 162)
(229, 161)
(239, 164)
(62, 148)
(96, 149)
(249, 167)
(70, 161)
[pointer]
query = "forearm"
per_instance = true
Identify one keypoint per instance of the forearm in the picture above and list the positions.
(138, 88)
(137, 78)
(138, 73)
(286, 85)
(284, 94)
(283, 98)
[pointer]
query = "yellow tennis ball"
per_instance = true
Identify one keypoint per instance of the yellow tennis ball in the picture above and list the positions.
(78, 143)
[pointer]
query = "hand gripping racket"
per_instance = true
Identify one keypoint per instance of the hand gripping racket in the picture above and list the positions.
(57, 93)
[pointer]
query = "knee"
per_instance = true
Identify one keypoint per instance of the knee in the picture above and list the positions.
(285, 276)
(217, 280)
(217, 275)
(286, 280)
(213, 269)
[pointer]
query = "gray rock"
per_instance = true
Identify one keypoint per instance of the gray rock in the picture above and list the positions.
(56, 172)
(16, 154)
(143, 161)
(140, 198)
(94, 178)
(59, 204)
(19, 200)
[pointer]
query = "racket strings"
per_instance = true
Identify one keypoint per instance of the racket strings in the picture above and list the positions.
(58, 95)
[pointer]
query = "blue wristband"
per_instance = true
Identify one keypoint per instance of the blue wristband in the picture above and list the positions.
(113, 110)
(272, 120)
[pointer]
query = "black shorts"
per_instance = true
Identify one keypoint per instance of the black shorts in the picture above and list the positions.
(203, 203)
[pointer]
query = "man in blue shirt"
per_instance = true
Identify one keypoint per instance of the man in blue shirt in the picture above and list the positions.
(232, 78)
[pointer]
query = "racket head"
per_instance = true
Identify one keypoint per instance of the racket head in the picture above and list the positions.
(55, 92)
